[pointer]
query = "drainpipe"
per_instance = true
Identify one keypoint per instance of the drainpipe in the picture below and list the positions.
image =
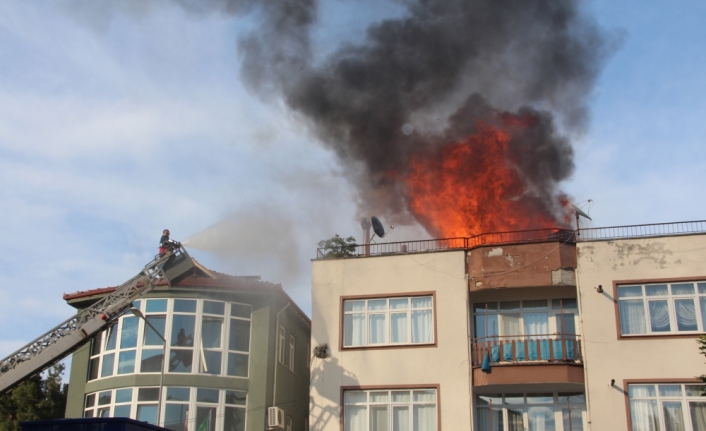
(274, 383)
(583, 337)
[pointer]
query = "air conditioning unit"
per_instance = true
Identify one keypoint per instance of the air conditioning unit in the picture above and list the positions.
(275, 418)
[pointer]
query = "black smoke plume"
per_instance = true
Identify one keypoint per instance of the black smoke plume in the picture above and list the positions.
(424, 79)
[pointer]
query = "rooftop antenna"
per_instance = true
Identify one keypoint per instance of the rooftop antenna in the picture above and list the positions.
(378, 229)
(579, 213)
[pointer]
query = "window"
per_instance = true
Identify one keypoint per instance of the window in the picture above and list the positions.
(207, 337)
(390, 410)
(292, 349)
(280, 345)
(537, 412)
(388, 321)
(214, 409)
(667, 407)
(288, 426)
(530, 317)
(662, 308)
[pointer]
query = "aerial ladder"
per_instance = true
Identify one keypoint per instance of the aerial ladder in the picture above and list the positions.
(64, 339)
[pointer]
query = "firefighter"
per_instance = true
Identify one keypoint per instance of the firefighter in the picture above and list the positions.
(162, 240)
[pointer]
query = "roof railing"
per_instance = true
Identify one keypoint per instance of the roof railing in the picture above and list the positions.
(514, 237)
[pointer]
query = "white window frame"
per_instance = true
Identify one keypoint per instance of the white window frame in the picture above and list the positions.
(288, 422)
(280, 345)
(560, 402)
(387, 312)
(692, 396)
(699, 293)
(292, 351)
(390, 403)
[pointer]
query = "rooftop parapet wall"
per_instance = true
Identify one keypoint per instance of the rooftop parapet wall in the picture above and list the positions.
(522, 265)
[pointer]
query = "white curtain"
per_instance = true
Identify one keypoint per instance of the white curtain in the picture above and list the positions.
(511, 325)
(632, 317)
(376, 324)
(698, 415)
(355, 418)
(536, 323)
(514, 420)
(540, 418)
(378, 418)
(686, 314)
(354, 329)
(424, 418)
(400, 418)
(659, 316)
(489, 420)
(645, 415)
(398, 327)
(421, 326)
(673, 415)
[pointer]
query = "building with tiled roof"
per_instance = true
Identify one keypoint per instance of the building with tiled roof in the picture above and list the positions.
(235, 345)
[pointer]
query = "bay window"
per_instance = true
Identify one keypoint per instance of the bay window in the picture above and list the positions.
(388, 321)
(537, 412)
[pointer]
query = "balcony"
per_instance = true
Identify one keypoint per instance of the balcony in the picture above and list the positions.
(527, 359)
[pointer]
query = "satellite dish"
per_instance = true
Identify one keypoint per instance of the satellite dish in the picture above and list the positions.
(579, 212)
(377, 227)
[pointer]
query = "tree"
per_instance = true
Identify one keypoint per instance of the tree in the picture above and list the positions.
(338, 247)
(37, 398)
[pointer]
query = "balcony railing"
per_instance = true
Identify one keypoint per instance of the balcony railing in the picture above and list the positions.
(550, 348)
(643, 230)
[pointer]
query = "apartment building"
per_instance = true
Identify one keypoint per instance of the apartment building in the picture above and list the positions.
(540, 330)
(235, 346)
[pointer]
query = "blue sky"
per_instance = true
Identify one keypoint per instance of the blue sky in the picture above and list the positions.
(118, 120)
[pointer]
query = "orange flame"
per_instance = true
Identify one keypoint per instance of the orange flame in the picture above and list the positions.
(473, 186)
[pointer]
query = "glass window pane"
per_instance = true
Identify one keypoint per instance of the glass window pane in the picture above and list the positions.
(377, 304)
(566, 323)
(673, 416)
(96, 344)
(683, 289)
(212, 307)
(211, 332)
(178, 394)
(206, 418)
(399, 303)
(240, 310)
(534, 304)
(379, 397)
(421, 302)
(540, 398)
(175, 417)
(237, 365)
(669, 390)
(104, 398)
(239, 337)
(90, 400)
(686, 314)
(424, 395)
(184, 306)
(656, 290)
(183, 330)
(153, 338)
(88, 414)
(377, 329)
(514, 399)
(642, 391)
(510, 306)
(126, 362)
(129, 332)
(151, 361)
(123, 395)
(422, 327)
(156, 306)
(180, 361)
(424, 418)
(112, 337)
(107, 366)
(514, 419)
(511, 325)
(236, 397)
(137, 304)
(558, 304)
(213, 362)
(572, 419)
(694, 390)
(541, 418)
(104, 413)
(573, 399)
(480, 307)
(659, 316)
(536, 323)
(401, 396)
(698, 415)
(354, 329)
(486, 325)
(234, 419)
(490, 399)
(702, 304)
(93, 368)
(355, 418)
(355, 397)
(398, 328)
(121, 411)
(353, 305)
(629, 291)
(207, 395)
(632, 317)
(147, 413)
(378, 418)
(400, 418)
(702, 287)
(148, 394)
